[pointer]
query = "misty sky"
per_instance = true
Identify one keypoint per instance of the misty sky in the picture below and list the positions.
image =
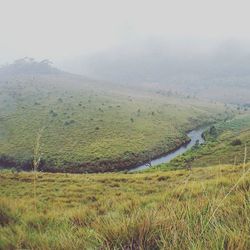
(60, 29)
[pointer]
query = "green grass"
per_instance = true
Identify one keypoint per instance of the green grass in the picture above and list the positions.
(219, 148)
(92, 127)
(205, 208)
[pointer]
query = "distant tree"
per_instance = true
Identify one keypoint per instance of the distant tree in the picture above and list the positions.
(46, 62)
(213, 131)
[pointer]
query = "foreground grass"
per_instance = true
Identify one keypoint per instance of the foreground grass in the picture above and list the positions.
(206, 208)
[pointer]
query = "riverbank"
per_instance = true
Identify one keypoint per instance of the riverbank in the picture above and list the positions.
(108, 166)
(226, 143)
(194, 136)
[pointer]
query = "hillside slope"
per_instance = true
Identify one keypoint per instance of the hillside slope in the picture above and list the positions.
(88, 125)
(225, 143)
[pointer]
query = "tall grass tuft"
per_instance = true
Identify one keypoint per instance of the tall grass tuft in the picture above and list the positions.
(36, 161)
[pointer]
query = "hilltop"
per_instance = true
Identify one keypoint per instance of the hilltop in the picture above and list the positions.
(28, 66)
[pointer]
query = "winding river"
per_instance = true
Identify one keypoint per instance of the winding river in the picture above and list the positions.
(194, 135)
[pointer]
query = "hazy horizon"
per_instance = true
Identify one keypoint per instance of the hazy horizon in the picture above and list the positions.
(63, 31)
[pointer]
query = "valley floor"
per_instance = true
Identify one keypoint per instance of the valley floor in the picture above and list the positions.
(205, 208)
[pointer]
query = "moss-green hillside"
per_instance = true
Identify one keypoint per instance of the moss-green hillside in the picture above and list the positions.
(92, 126)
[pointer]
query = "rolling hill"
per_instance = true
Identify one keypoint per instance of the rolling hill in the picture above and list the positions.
(90, 125)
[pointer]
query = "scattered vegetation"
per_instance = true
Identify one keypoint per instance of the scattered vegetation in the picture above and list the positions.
(88, 128)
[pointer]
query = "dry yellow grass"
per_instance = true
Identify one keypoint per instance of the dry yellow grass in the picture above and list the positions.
(206, 208)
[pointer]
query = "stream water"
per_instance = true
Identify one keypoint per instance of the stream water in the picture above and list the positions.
(194, 135)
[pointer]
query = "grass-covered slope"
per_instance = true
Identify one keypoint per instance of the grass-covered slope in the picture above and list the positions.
(87, 125)
(226, 143)
(205, 208)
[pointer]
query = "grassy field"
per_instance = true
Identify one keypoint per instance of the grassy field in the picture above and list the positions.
(224, 145)
(205, 208)
(90, 126)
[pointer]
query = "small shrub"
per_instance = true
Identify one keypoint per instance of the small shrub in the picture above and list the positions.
(66, 123)
(53, 113)
(236, 142)
(213, 131)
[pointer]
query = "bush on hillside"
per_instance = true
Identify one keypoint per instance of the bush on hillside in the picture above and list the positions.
(236, 142)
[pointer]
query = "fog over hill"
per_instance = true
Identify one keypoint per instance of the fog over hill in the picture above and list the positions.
(157, 60)
(195, 47)
(28, 66)
(194, 69)
(220, 72)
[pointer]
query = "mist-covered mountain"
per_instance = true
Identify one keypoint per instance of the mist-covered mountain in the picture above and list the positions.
(221, 72)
